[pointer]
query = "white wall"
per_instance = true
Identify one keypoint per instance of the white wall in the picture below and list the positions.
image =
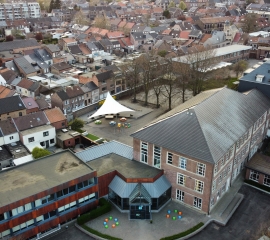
(11, 138)
(2, 141)
(38, 137)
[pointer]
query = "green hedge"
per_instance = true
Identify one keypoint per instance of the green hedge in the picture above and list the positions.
(104, 207)
(255, 184)
(100, 234)
(185, 233)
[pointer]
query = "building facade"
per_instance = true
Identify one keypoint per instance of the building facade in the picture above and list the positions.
(200, 154)
(58, 188)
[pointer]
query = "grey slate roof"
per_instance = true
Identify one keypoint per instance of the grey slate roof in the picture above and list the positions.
(104, 76)
(24, 65)
(6, 46)
(74, 49)
(211, 127)
(31, 120)
(53, 47)
(11, 104)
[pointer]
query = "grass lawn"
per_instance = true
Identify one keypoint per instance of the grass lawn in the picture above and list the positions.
(92, 137)
(218, 83)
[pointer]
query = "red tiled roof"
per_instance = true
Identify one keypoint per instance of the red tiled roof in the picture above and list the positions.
(25, 83)
(166, 32)
(55, 115)
(122, 24)
(184, 34)
(69, 40)
(115, 34)
(237, 37)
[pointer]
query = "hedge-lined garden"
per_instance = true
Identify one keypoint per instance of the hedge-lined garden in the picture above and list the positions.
(185, 233)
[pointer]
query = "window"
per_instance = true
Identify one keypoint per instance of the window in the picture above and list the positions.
(214, 186)
(67, 207)
(216, 169)
(11, 137)
(182, 163)
(199, 186)
(20, 114)
(266, 180)
(201, 169)
(85, 183)
(169, 158)
(180, 195)
(49, 215)
(65, 191)
(45, 134)
(87, 198)
(32, 139)
(144, 152)
(103, 89)
(44, 200)
(157, 156)
(52, 141)
(220, 178)
(212, 202)
(254, 176)
(222, 162)
(197, 203)
(181, 179)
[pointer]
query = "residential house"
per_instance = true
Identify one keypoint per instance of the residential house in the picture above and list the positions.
(26, 68)
(105, 83)
(30, 104)
(35, 130)
(115, 35)
(204, 165)
(230, 31)
(8, 132)
(217, 40)
(175, 12)
(28, 88)
(66, 42)
(107, 45)
(6, 92)
(138, 39)
(114, 23)
(56, 118)
(68, 100)
(212, 23)
(58, 68)
(91, 93)
(11, 107)
(19, 45)
(52, 49)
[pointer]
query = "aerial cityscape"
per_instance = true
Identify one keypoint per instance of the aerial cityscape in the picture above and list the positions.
(136, 119)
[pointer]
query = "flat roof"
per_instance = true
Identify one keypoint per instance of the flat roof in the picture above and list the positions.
(66, 135)
(128, 168)
(260, 163)
(218, 52)
(39, 175)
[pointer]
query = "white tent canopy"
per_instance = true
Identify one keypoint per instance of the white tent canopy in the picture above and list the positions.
(110, 106)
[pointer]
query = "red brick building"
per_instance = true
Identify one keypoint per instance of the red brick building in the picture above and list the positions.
(44, 194)
(203, 144)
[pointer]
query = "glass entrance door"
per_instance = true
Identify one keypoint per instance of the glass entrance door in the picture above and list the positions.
(140, 212)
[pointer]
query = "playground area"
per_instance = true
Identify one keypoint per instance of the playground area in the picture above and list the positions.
(164, 223)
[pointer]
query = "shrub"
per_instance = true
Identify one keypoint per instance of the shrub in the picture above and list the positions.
(263, 187)
(105, 207)
(100, 234)
(185, 233)
(40, 152)
(76, 124)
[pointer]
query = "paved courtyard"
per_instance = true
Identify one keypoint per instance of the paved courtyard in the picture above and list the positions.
(143, 229)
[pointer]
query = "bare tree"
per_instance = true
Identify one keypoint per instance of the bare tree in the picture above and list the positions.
(250, 23)
(148, 66)
(240, 67)
(80, 18)
(200, 63)
(131, 75)
(102, 22)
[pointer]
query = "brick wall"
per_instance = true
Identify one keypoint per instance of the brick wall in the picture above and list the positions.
(12, 114)
(60, 124)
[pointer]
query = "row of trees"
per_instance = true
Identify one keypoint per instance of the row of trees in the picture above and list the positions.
(167, 77)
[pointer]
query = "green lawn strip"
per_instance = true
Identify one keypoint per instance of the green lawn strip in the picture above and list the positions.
(263, 187)
(92, 137)
(97, 233)
(185, 233)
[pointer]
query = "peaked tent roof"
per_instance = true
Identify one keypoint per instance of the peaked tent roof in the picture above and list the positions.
(110, 106)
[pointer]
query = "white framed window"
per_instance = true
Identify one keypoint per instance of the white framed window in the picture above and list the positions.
(214, 185)
(45, 133)
(144, 152)
(181, 179)
(10, 138)
(266, 180)
(157, 156)
(169, 158)
(197, 203)
(180, 195)
(199, 186)
(183, 163)
(212, 202)
(254, 176)
(31, 139)
(201, 169)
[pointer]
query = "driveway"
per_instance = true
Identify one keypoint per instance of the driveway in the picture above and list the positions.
(249, 221)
